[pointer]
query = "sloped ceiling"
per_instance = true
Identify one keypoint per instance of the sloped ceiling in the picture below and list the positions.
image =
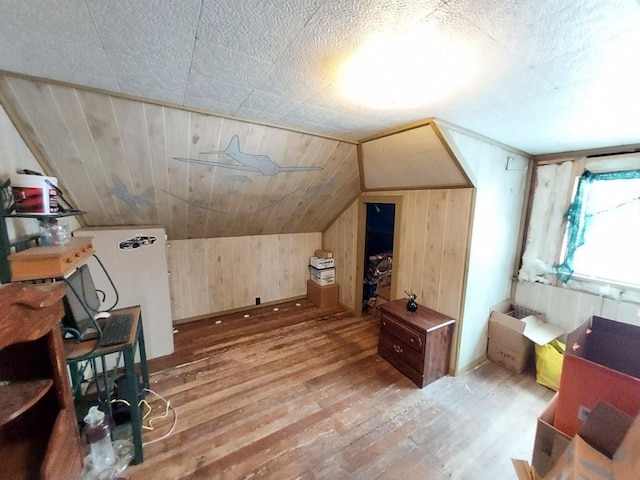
(415, 158)
(127, 162)
(540, 76)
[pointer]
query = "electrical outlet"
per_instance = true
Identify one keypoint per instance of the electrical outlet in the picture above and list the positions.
(257, 300)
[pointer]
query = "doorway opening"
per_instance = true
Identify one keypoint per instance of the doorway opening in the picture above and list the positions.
(378, 254)
(378, 245)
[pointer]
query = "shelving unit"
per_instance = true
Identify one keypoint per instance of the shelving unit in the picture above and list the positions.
(7, 211)
(5, 243)
(39, 436)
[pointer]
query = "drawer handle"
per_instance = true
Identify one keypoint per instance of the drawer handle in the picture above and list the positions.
(398, 348)
(412, 340)
(384, 323)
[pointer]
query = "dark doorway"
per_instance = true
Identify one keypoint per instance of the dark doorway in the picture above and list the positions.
(378, 254)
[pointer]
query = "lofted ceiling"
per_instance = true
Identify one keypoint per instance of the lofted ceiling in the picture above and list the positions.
(128, 162)
(540, 76)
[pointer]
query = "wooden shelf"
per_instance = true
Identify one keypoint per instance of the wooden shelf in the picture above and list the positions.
(18, 397)
(50, 261)
(39, 216)
(39, 436)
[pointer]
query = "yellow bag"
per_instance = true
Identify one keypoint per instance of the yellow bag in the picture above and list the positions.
(549, 364)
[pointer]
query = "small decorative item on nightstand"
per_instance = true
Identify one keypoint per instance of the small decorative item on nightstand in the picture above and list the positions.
(412, 306)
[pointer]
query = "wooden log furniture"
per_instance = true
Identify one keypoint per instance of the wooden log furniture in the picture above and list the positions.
(39, 436)
(417, 343)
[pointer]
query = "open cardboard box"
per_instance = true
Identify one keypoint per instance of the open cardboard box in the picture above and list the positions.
(602, 363)
(512, 328)
(550, 443)
(607, 447)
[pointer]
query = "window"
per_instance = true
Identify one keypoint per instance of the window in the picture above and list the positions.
(603, 229)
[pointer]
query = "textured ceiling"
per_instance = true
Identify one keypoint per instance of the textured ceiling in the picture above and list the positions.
(549, 76)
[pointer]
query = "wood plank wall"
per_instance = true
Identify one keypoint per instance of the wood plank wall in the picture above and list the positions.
(128, 162)
(14, 155)
(341, 238)
(434, 240)
(214, 275)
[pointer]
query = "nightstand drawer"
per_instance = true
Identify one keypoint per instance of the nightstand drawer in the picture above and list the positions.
(393, 347)
(413, 339)
(416, 343)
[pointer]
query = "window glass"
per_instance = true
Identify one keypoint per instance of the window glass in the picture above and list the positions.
(603, 229)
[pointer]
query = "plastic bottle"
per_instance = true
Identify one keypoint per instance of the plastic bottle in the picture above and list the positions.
(98, 438)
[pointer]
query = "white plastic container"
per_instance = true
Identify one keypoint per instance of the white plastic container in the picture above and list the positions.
(34, 194)
(98, 437)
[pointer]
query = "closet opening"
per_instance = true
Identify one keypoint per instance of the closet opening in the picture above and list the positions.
(377, 258)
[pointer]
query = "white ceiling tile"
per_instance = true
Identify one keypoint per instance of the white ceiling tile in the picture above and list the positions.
(267, 102)
(259, 29)
(63, 19)
(159, 32)
(228, 93)
(295, 85)
(143, 73)
(223, 63)
(12, 60)
(69, 62)
(279, 62)
(210, 104)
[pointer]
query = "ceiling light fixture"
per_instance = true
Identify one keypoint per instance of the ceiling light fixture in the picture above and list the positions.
(406, 70)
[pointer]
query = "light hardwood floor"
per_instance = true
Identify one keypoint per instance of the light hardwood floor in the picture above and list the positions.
(302, 393)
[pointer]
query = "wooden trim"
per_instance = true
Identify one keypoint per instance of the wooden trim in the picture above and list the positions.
(434, 187)
(169, 104)
(524, 220)
(457, 336)
(403, 128)
(454, 153)
(248, 308)
(482, 138)
(471, 366)
(359, 157)
(564, 156)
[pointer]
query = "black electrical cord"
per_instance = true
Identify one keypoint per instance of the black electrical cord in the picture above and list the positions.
(113, 286)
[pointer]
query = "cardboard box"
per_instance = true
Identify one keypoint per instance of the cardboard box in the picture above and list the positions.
(581, 460)
(324, 253)
(322, 296)
(550, 443)
(512, 328)
(601, 364)
(618, 434)
(321, 263)
(325, 276)
(605, 428)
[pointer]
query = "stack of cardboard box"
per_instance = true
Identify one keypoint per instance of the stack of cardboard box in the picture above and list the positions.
(322, 289)
(605, 448)
(601, 365)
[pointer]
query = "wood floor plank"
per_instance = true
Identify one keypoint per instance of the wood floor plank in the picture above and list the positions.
(300, 393)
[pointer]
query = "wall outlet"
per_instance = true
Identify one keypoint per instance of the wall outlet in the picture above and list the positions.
(257, 300)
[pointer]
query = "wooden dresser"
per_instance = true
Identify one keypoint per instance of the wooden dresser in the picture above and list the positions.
(417, 343)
